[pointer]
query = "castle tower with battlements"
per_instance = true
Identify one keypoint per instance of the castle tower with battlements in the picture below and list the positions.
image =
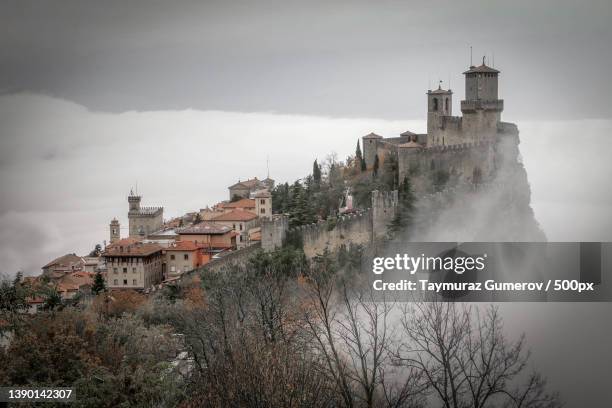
(143, 220)
(455, 149)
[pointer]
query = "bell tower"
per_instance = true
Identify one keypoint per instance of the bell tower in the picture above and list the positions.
(439, 104)
(115, 228)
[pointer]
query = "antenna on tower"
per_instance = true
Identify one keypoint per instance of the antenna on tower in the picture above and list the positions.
(471, 64)
(493, 61)
(268, 165)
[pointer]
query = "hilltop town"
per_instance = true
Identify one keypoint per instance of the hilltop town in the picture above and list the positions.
(389, 186)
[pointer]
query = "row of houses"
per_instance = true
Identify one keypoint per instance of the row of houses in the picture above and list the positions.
(155, 251)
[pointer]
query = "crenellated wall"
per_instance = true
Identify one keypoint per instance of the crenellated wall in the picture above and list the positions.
(438, 167)
(358, 228)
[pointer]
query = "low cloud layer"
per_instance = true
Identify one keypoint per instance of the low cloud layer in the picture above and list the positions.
(65, 171)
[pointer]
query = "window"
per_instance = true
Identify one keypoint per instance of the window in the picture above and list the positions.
(115, 270)
(124, 270)
(186, 257)
(262, 202)
(263, 211)
(134, 282)
(172, 256)
(435, 104)
(115, 282)
(446, 104)
(125, 282)
(133, 270)
(240, 227)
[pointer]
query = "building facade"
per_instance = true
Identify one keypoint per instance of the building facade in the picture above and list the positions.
(133, 265)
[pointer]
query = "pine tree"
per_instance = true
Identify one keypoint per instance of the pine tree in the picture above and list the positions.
(316, 172)
(359, 157)
(405, 209)
(98, 284)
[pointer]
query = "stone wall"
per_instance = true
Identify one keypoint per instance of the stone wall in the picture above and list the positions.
(358, 228)
(354, 228)
(438, 167)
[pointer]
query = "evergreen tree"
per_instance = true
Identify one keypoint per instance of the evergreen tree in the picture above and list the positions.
(98, 284)
(316, 172)
(376, 165)
(364, 167)
(358, 154)
(405, 209)
(97, 251)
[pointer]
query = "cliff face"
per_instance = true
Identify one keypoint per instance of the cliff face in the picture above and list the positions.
(498, 209)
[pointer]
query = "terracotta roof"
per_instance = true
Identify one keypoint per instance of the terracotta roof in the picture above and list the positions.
(481, 68)
(242, 203)
(247, 183)
(184, 246)
(407, 133)
(205, 228)
(136, 249)
(373, 136)
(236, 215)
(64, 260)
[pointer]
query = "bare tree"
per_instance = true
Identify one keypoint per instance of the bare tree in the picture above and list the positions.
(466, 358)
(352, 333)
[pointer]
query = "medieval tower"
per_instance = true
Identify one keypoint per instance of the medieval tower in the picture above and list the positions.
(115, 228)
(143, 220)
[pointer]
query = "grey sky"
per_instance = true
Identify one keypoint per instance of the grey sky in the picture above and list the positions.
(338, 58)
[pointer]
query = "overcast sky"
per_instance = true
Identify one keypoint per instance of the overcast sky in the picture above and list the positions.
(340, 58)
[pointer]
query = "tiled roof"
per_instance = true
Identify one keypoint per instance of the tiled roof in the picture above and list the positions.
(481, 68)
(64, 260)
(205, 228)
(236, 215)
(247, 183)
(242, 203)
(184, 246)
(137, 249)
(373, 136)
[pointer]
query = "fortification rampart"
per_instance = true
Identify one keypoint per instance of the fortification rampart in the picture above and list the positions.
(357, 228)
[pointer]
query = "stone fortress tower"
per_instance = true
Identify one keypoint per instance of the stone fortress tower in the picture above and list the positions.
(455, 149)
(143, 220)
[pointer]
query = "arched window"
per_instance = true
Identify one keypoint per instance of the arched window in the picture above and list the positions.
(435, 104)
(446, 105)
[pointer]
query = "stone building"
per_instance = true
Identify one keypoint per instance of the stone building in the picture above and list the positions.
(241, 222)
(455, 149)
(263, 204)
(115, 231)
(63, 265)
(244, 189)
(184, 256)
(131, 264)
(209, 234)
(143, 220)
